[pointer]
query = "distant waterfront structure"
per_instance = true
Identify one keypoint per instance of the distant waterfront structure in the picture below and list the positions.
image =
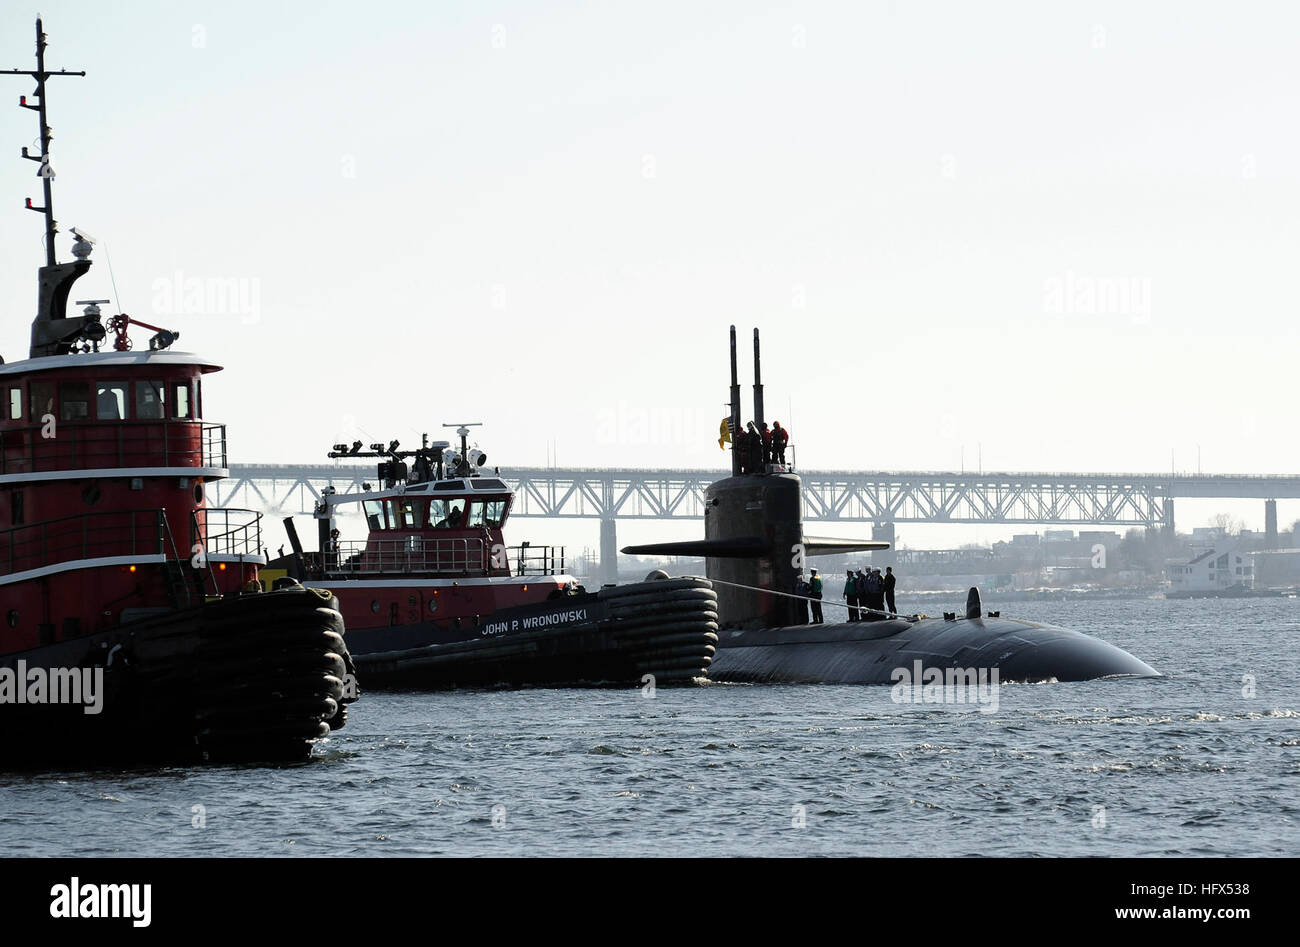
(1217, 569)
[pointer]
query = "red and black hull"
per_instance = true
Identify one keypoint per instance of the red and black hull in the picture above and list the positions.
(249, 679)
(664, 631)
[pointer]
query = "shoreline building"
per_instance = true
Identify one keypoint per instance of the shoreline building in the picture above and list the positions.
(1216, 569)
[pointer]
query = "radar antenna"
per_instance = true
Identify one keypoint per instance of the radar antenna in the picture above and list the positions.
(464, 463)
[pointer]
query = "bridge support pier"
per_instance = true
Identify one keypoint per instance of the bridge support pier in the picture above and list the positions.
(883, 532)
(608, 551)
(1168, 519)
(1270, 524)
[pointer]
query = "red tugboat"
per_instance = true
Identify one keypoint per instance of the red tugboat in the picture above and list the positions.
(433, 597)
(130, 630)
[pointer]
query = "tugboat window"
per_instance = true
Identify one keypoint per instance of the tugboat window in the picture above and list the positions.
(445, 514)
(375, 514)
(180, 399)
(15, 404)
(494, 513)
(42, 399)
(149, 399)
(487, 513)
(404, 515)
(74, 398)
(110, 400)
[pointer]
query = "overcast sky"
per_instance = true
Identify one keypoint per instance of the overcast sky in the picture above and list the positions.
(1040, 237)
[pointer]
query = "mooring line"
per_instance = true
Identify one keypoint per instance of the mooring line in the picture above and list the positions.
(807, 598)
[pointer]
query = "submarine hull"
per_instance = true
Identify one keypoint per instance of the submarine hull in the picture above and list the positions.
(871, 652)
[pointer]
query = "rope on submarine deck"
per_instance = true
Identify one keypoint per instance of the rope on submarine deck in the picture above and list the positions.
(808, 598)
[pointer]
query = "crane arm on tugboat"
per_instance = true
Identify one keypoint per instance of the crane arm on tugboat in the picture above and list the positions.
(121, 323)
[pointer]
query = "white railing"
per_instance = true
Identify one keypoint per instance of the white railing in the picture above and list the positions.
(410, 554)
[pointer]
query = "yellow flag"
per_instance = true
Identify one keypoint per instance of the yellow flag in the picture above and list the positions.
(724, 433)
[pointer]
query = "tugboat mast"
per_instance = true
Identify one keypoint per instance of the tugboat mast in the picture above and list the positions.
(53, 332)
(46, 173)
(462, 428)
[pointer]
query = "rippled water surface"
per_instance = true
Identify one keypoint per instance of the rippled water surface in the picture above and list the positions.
(1188, 764)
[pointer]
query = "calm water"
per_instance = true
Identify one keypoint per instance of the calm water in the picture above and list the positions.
(1184, 765)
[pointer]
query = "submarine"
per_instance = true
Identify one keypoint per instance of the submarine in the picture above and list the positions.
(755, 550)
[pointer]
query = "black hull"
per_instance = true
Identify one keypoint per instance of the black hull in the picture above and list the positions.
(665, 629)
(871, 652)
(253, 679)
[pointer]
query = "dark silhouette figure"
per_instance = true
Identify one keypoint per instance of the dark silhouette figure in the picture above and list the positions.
(780, 438)
(890, 580)
(740, 445)
(879, 601)
(757, 453)
(874, 596)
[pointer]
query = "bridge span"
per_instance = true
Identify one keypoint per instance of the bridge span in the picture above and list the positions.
(882, 498)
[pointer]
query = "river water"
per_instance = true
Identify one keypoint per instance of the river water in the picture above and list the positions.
(1205, 761)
